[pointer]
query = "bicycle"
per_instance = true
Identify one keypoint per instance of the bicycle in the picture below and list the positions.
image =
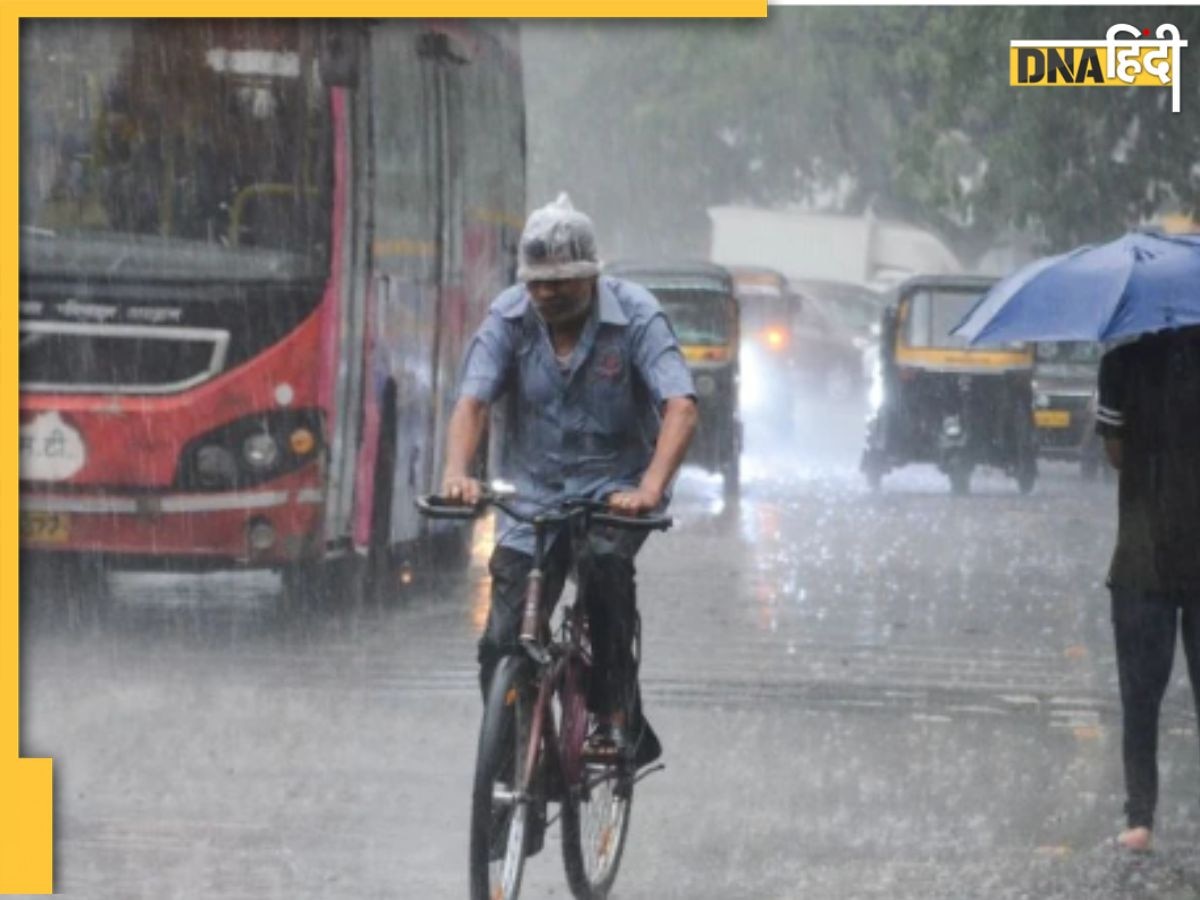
(536, 724)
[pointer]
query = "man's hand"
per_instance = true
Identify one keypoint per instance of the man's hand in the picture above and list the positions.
(462, 488)
(635, 502)
(463, 435)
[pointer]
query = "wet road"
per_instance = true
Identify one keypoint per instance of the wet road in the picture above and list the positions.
(900, 695)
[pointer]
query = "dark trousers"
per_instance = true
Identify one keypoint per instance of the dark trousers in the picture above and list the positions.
(1145, 626)
(612, 613)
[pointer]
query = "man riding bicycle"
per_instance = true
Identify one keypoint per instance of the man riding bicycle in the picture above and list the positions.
(598, 402)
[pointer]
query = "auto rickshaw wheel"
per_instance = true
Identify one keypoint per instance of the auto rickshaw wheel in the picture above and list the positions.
(731, 477)
(1026, 479)
(960, 477)
(874, 474)
(872, 467)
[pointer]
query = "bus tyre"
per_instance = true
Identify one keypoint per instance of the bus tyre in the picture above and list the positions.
(65, 588)
(308, 585)
(338, 584)
(1026, 478)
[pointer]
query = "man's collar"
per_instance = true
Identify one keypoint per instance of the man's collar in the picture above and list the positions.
(607, 302)
(610, 307)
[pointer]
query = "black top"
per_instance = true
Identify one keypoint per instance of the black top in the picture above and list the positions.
(1150, 400)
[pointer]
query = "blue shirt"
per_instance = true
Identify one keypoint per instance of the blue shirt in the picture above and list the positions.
(589, 427)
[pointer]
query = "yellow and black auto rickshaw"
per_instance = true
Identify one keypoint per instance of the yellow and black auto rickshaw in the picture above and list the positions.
(944, 402)
(698, 298)
(1064, 403)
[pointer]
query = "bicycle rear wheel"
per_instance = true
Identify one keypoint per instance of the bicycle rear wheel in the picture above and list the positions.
(598, 801)
(500, 806)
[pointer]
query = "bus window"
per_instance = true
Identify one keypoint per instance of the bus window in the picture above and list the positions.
(214, 135)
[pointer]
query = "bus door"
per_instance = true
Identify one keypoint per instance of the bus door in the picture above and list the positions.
(411, 207)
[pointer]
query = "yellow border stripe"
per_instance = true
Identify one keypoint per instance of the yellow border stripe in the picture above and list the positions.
(26, 786)
(439, 9)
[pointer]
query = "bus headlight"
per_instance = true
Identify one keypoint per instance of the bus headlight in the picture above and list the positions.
(216, 466)
(250, 450)
(260, 450)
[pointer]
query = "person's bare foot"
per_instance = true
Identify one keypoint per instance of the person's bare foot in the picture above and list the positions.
(1136, 839)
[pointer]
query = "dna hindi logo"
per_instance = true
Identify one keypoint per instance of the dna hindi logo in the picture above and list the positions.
(1127, 57)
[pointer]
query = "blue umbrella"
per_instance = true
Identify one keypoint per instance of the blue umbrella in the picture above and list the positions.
(1139, 283)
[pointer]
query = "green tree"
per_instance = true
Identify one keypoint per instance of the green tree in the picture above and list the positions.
(906, 110)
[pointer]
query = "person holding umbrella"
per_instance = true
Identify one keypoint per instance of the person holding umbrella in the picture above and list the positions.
(1148, 413)
(1141, 292)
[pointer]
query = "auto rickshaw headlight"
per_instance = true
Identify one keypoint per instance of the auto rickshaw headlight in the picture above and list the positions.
(706, 385)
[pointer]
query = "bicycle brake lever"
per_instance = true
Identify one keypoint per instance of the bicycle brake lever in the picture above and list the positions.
(650, 771)
(536, 651)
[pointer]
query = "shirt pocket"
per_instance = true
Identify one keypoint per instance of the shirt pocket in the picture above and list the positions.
(608, 395)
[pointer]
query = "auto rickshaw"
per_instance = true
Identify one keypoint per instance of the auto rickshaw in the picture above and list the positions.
(698, 298)
(1064, 402)
(944, 402)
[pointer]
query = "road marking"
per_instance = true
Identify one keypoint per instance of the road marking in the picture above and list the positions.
(1058, 851)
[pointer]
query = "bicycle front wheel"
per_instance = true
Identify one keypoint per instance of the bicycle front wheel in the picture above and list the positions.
(500, 799)
(597, 805)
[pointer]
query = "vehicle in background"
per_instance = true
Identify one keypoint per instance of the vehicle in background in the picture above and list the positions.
(698, 298)
(793, 349)
(252, 254)
(1064, 402)
(944, 402)
(852, 249)
(856, 310)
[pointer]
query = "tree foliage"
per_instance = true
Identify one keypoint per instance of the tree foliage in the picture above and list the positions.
(905, 110)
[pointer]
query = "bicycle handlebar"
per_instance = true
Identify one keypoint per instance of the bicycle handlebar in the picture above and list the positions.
(597, 511)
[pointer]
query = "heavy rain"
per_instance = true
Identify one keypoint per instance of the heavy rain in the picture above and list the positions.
(877, 643)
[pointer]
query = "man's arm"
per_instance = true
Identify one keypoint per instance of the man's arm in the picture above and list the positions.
(467, 425)
(680, 418)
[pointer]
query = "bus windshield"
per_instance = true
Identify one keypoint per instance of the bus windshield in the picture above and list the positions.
(160, 148)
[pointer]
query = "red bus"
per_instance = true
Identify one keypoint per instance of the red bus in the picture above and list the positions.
(251, 254)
